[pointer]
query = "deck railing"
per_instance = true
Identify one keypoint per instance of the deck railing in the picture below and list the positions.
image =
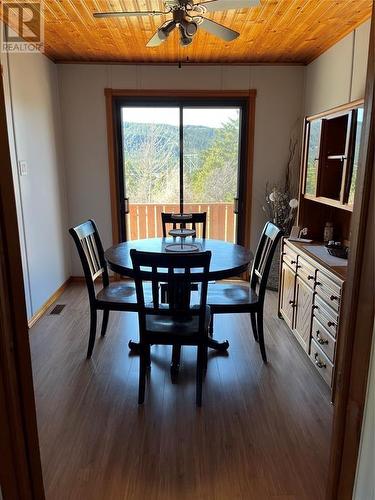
(144, 219)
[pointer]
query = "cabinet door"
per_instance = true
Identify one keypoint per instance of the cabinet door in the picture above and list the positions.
(313, 133)
(352, 174)
(303, 313)
(287, 293)
(334, 150)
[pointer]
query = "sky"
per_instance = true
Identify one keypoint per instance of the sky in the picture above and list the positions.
(213, 118)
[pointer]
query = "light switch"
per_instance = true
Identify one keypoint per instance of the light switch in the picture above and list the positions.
(22, 167)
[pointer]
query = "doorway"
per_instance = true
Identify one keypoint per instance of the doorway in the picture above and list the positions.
(181, 156)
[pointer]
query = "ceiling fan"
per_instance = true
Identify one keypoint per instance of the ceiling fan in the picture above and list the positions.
(188, 17)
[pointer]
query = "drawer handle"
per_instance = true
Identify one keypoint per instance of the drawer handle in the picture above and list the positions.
(299, 267)
(309, 277)
(318, 283)
(320, 339)
(318, 362)
(333, 297)
(331, 323)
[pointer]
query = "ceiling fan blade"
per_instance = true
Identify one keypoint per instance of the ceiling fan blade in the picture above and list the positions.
(218, 5)
(218, 30)
(155, 40)
(129, 14)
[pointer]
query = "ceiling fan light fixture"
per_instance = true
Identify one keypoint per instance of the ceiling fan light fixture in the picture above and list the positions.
(184, 40)
(190, 28)
(166, 30)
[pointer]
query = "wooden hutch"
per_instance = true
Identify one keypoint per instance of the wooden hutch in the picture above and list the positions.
(311, 280)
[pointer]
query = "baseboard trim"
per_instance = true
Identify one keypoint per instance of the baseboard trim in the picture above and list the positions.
(77, 279)
(48, 303)
(82, 279)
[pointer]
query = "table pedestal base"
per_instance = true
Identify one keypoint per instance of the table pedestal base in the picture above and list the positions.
(212, 344)
(176, 354)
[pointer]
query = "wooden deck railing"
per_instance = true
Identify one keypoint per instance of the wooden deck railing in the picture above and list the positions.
(144, 219)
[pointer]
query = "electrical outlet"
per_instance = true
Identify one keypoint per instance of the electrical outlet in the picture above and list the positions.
(22, 167)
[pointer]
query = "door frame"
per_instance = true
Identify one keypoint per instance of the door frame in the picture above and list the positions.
(113, 96)
(20, 466)
(357, 325)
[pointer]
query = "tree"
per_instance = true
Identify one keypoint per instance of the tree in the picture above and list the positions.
(216, 179)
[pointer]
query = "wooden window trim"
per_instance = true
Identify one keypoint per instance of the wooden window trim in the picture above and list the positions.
(110, 94)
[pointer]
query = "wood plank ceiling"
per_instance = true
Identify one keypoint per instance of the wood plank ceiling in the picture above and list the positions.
(277, 31)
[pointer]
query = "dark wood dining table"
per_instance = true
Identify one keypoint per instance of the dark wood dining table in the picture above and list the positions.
(227, 261)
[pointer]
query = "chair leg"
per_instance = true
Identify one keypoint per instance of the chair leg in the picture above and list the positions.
(261, 335)
(200, 362)
(104, 322)
(142, 374)
(148, 356)
(93, 320)
(254, 325)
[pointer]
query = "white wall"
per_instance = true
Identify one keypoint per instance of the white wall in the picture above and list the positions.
(279, 105)
(364, 488)
(34, 119)
(339, 75)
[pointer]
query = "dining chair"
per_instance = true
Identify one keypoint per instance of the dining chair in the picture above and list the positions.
(196, 218)
(115, 296)
(177, 323)
(248, 297)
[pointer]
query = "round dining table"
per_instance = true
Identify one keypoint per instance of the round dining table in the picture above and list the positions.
(227, 261)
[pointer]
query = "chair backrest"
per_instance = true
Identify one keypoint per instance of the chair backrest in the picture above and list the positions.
(196, 218)
(178, 271)
(269, 239)
(90, 249)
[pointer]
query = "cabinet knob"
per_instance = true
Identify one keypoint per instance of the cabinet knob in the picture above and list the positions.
(293, 262)
(318, 283)
(291, 302)
(320, 339)
(318, 362)
(309, 277)
(333, 297)
(331, 323)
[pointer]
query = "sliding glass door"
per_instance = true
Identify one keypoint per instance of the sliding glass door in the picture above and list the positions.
(151, 167)
(177, 157)
(211, 161)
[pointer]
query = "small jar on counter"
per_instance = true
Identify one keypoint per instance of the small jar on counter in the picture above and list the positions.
(328, 232)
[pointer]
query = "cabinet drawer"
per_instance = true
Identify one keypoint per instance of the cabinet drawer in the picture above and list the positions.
(323, 282)
(290, 257)
(306, 271)
(325, 315)
(330, 298)
(321, 362)
(323, 339)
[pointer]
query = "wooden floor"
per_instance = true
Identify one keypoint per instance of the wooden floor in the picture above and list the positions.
(262, 432)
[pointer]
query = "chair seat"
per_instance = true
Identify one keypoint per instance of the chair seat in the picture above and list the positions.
(175, 326)
(231, 296)
(121, 295)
